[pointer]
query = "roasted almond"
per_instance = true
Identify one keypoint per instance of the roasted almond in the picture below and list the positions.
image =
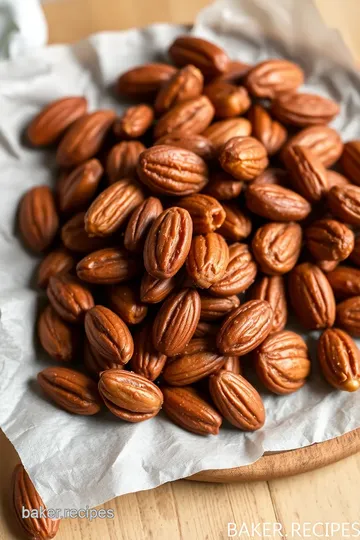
(219, 133)
(84, 138)
(213, 308)
(234, 73)
(129, 396)
(76, 190)
(232, 363)
(188, 410)
(272, 77)
(112, 207)
(240, 272)
(344, 203)
(339, 360)
(140, 222)
(272, 176)
(38, 219)
(228, 100)
(108, 335)
(172, 171)
(276, 247)
(146, 360)
(345, 281)
(168, 243)
(176, 321)
(54, 119)
(323, 141)
(154, 290)
(145, 80)
(122, 160)
(95, 363)
(207, 259)
(198, 144)
(237, 400)
(192, 116)
(223, 187)
(268, 131)
(208, 57)
(135, 122)
(56, 262)
(350, 161)
(124, 300)
(336, 179)
(206, 213)
(282, 362)
(245, 328)
(205, 329)
(70, 298)
(272, 289)
(328, 239)
(244, 158)
(301, 109)
(185, 84)
(307, 173)
(71, 390)
(59, 339)
(108, 266)
(237, 224)
(277, 203)
(75, 238)
(311, 296)
(348, 315)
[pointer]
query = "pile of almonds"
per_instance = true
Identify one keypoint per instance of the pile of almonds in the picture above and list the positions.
(217, 182)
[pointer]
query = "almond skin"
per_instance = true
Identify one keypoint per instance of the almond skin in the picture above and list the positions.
(270, 133)
(192, 116)
(228, 100)
(339, 359)
(223, 187)
(84, 138)
(348, 315)
(122, 160)
(124, 301)
(146, 360)
(237, 400)
(129, 396)
(213, 308)
(168, 243)
(240, 272)
(154, 290)
(70, 298)
(112, 207)
(276, 203)
(206, 213)
(307, 173)
(311, 296)
(237, 224)
(245, 328)
(336, 179)
(185, 84)
(198, 144)
(38, 219)
(144, 80)
(172, 171)
(135, 122)
(206, 56)
(140, 222)
(176, 321)
(54, 119)
(58, 338)
(76, 190)
(244, 158)
(273, 176)
(273, 77)
(344, 203)
(24, 495)
(108, 266)
(282, 362)
(328, 239)
(272, 289)
(232, 363)
(198, 360)
(350, 161)
(108, 335)
(188, 410)
(76, 239)
(323, 141)
(276, 247)
(207, 259)
(302, 110)
(56, 262)
(71, 390)
(219, 133)
(235, 72)
(205, 329)
(95, 363)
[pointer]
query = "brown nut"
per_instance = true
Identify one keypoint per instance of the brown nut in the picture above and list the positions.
(76, 190)
(112, 207)
(56, 262)
(38, 219)
(272, 289)
(84, 138)
(235, 72)
(70, 298)
(324, 142)
(172, 171)
(276, 247)
(108, 266)
(71, 390)
(122, 160)
(213, 308)
(336, 179)
(25, 496)
(124, 300)
(273, 77)
(311, 296)
(135, 122)
(237, 400)
(54, 119)
(59, 339)
(307, 174)
(219, 133)
(176, 321)
(301, 109)
(208, 57)
(339, 359)
(355, 255)
(207, 260)
(168, 243)
(350, 161)
(237, 224)
(245, 328)
(185, 84)
(144, 81)
(146, 360)
(348, 315)
(276, 202)
(129, 396)
(188, 410)
(244, 158)
(223, 187)
(344, 203)
(240, 272)
(95, 363)
(272, 176)
(228, 100)
(140, 222)
(282, 362)
(268, 131)
(206, 213)
(76, 239)
(205, 329)
(232, 363)
(198, 144)
(328, 239)
(154, 290)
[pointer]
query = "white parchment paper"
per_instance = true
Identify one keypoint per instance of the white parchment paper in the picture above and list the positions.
(77, 461)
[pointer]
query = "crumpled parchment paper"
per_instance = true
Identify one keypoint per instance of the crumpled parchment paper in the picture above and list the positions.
(77, 461)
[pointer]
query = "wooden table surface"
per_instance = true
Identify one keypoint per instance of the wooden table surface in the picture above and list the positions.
(192, 510)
